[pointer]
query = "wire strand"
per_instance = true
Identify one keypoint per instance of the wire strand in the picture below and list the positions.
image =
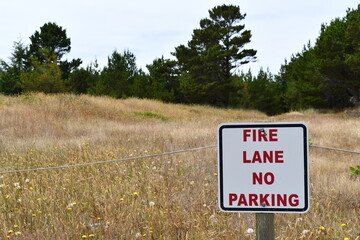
(335, 149)
(110, 161)
(147, 156)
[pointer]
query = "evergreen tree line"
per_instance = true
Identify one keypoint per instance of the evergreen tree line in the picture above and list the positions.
(323, 76)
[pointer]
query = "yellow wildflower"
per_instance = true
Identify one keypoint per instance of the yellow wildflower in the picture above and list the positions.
(343, 225)
(91, 235)
(136, 193)
(322, 228)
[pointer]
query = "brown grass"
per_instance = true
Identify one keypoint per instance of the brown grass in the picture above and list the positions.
(170, 197)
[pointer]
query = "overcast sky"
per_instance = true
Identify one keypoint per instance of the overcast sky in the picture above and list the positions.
(151, 29)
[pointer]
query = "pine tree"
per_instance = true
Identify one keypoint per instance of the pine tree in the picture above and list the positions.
(216, 48)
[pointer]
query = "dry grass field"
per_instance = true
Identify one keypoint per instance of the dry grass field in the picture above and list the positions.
(167, 197)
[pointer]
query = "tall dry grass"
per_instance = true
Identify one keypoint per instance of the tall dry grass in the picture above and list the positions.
(169, 197)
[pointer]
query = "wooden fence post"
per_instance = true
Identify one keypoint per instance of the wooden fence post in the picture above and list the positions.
(265, 226)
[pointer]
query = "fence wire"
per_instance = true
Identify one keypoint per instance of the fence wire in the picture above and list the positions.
(110, 161)
(335, 149)
(147, 156)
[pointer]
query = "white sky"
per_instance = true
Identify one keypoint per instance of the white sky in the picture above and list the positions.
(150, 29)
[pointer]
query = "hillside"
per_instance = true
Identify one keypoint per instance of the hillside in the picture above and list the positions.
(167, 197)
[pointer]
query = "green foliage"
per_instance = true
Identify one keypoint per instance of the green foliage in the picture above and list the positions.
(44, 77)
(164, 80)
(326, 75)
(39, 66)
(264, 94)
(140, 86)
(331, 49)
(9, 79)
(10, 76)
(355, 171)
(213, 52)
(192, 92)
(259, 92)
(67, 67)
(151, 115)
(117, 76)
(82, 81)
(53, 38)
(304, 88)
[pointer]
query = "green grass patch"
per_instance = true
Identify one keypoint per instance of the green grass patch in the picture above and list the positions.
(150, 115)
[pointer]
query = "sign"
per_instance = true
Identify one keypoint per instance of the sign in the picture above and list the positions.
(263, 167)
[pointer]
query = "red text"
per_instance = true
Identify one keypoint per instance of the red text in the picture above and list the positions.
(264, 157)
(265, 200)
(260, 135)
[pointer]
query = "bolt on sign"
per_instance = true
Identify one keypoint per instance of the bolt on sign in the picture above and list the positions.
(263, 167)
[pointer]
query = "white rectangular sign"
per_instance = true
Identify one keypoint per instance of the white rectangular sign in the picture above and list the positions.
(263, 167)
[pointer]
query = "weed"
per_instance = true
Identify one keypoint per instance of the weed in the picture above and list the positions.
(150, 115)
(355, 171)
